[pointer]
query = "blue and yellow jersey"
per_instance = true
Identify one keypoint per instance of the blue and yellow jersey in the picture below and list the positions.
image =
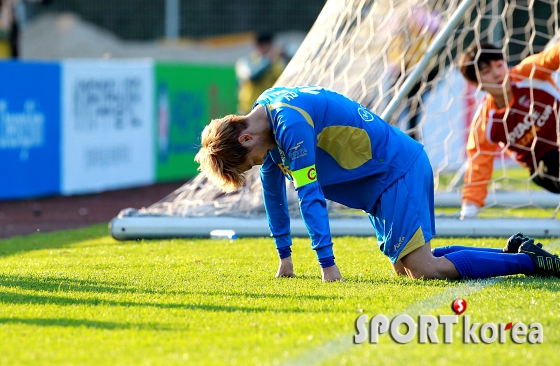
(331, 147)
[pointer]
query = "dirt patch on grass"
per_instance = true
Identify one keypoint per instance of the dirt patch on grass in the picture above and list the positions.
(69, 212)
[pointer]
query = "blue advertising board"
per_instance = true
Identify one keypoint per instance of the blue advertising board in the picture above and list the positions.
(29, 129)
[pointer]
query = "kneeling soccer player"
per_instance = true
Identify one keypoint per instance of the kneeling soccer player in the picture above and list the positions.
(332, 147)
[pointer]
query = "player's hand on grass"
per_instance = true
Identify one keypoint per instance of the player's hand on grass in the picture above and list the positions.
(331, 274)
(286, 268)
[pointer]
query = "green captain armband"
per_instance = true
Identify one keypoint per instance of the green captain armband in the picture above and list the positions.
(303, 177)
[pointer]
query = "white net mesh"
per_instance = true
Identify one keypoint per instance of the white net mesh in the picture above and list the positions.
(366, 49)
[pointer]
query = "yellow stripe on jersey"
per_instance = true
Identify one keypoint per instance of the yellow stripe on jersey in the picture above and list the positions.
(301, 111)
(414, 243)
(349, 146)
(303, 177)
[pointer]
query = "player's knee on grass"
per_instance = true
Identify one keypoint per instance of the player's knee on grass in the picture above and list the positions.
(424, 274)
(421, 264)
(399, 269)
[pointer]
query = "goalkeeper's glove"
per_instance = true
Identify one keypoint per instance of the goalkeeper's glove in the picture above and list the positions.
(469, 210)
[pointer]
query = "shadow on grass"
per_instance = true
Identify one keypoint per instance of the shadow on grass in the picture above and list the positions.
(84, 323)
(64, 284)
(27, 299)
(60, 285)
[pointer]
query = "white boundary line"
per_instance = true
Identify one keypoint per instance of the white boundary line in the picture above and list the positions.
(344, 343)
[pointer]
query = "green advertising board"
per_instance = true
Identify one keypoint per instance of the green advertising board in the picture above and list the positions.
(187, 97)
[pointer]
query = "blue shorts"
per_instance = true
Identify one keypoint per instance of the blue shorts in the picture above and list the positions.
(403, 216)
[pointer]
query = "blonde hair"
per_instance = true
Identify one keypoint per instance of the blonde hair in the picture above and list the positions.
(221, 156)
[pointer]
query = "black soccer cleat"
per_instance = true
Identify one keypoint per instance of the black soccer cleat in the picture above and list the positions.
(547, 264)
(514, 242)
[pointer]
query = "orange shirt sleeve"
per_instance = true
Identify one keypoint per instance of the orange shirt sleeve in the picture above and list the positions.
(480, 159)
(480, 151)
(539, 66)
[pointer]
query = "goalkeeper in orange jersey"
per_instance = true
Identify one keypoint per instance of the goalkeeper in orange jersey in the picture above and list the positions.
(519, 114)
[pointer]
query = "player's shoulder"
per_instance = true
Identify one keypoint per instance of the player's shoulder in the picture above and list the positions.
(539, 66)
(290, 96)
(275, 94)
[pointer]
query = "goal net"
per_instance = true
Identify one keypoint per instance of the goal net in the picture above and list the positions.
(399, 59)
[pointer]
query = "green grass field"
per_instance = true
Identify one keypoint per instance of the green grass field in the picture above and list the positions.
(509, 178)
(81, 298)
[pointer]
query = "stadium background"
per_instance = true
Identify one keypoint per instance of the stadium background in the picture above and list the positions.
(210, 32)
(36, 195)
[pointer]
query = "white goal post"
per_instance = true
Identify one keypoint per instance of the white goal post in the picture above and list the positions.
(398, 57)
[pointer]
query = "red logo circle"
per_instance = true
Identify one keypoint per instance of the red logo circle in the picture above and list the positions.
(311, 174)
(459, 306)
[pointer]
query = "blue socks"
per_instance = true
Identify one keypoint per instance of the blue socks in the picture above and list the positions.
(284, 252)
(441, 251)
(477, 263)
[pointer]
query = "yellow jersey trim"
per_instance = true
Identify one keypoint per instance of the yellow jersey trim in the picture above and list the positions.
(301, 111)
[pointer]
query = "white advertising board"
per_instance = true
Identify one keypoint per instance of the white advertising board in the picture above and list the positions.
(107, 125)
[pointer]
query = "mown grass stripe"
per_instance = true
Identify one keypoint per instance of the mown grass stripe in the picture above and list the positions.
(344, 343)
